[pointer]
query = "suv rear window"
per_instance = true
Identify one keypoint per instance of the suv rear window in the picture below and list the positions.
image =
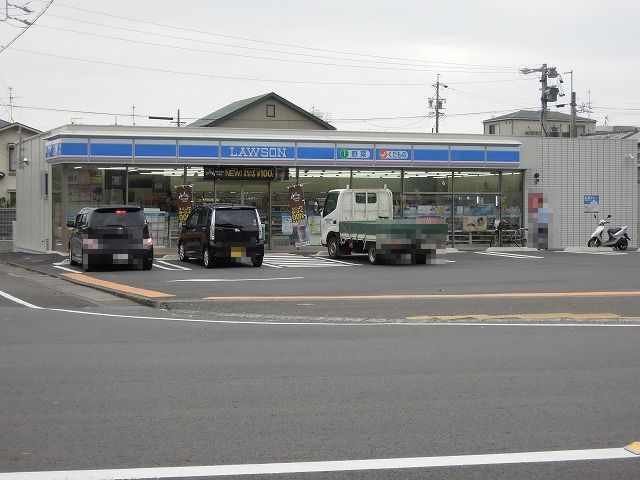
(236, 218)
(125, 216)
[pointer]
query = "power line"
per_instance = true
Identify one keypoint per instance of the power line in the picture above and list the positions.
(145, 116)
(271, 59)
(224, 77)
(474, 69)
(246, 39)
(29, 24)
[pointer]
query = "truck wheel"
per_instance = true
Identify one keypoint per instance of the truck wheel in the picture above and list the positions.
(333, 247)
(421, 259)
(374, 258)
(257, 261)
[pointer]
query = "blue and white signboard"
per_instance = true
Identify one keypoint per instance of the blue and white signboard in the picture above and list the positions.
(393, 155)
(591, 203)
(258, 152)
(354, 153)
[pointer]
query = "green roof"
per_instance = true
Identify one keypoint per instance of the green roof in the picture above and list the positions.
(214, 118)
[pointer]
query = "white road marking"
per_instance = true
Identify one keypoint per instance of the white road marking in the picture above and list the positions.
(327, 322)
(328, 466)
(508, 255)
(234, 279)
(8, 296)
(292, 260)
(173, 265)
(163, 268)
(65, 269)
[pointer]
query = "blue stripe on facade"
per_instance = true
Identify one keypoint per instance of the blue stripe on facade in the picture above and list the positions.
(73, 149)
(467, 155)
(431, 155)
(198, 151)
(111, 150)
(150, 150)
(257, 151)
(316, 153)
(509, 156)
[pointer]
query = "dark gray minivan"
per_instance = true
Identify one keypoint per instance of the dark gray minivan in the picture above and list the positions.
(110, 235)
(220, 233)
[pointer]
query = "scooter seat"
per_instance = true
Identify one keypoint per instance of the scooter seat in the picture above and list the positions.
(613, 231)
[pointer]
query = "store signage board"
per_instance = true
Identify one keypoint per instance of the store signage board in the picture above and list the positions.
(354, 153)
(257, 152)
(240, 173)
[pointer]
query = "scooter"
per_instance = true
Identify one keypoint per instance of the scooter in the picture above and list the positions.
(618, 238)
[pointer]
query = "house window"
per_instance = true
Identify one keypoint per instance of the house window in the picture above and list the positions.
(271, 110)
(493, 130)
(13, 157)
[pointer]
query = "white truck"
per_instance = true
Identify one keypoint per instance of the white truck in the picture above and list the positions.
(361, 221)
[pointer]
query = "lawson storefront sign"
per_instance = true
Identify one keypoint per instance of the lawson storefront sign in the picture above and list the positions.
(202, 152)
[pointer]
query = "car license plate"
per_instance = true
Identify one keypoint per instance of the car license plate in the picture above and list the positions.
(237, 252)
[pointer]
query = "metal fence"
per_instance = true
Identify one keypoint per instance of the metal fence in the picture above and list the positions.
(7, 217)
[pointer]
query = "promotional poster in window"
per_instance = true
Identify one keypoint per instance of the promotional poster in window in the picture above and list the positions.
(298, 216)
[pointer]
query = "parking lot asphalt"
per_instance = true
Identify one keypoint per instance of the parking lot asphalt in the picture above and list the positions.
(477, 285)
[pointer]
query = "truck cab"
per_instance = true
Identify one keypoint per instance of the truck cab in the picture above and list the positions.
(350, 204)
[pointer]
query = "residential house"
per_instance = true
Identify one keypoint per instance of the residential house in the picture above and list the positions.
(527, 122)
(264, 111)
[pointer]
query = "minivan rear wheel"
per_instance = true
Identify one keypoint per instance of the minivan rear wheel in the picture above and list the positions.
(206, 258)
(182, 253)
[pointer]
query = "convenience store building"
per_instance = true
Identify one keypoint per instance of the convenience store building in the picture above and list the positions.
(467, 180)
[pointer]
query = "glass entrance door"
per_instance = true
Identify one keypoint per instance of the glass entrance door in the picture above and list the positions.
(475, 216)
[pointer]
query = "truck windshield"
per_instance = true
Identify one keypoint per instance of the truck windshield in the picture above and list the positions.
(246, 219)
(330, 203)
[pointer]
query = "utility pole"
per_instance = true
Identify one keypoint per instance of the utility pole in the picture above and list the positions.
(548, 94)
(439, 103)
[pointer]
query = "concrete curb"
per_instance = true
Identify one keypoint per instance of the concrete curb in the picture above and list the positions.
(589, 249)
(148, 302)
(512, 249)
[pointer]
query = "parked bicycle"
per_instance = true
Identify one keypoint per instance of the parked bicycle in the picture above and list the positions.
(506, 234)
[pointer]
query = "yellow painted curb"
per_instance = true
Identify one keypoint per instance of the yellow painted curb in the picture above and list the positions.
(633, 448)
(119, 287)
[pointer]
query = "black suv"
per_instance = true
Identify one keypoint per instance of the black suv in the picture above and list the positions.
(110, 235)
(219, 233)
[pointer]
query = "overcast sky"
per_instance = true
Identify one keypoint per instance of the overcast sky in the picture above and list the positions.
(369, 64)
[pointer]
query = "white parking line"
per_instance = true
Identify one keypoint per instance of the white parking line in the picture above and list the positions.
(508, 255)
(155, 264)
(173, 265)
(328, 466)
(65, 269)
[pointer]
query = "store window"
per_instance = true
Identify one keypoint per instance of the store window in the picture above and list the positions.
(427, 181)
(476, 181)
(512, 198)
(390, 179)
(316, 183)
